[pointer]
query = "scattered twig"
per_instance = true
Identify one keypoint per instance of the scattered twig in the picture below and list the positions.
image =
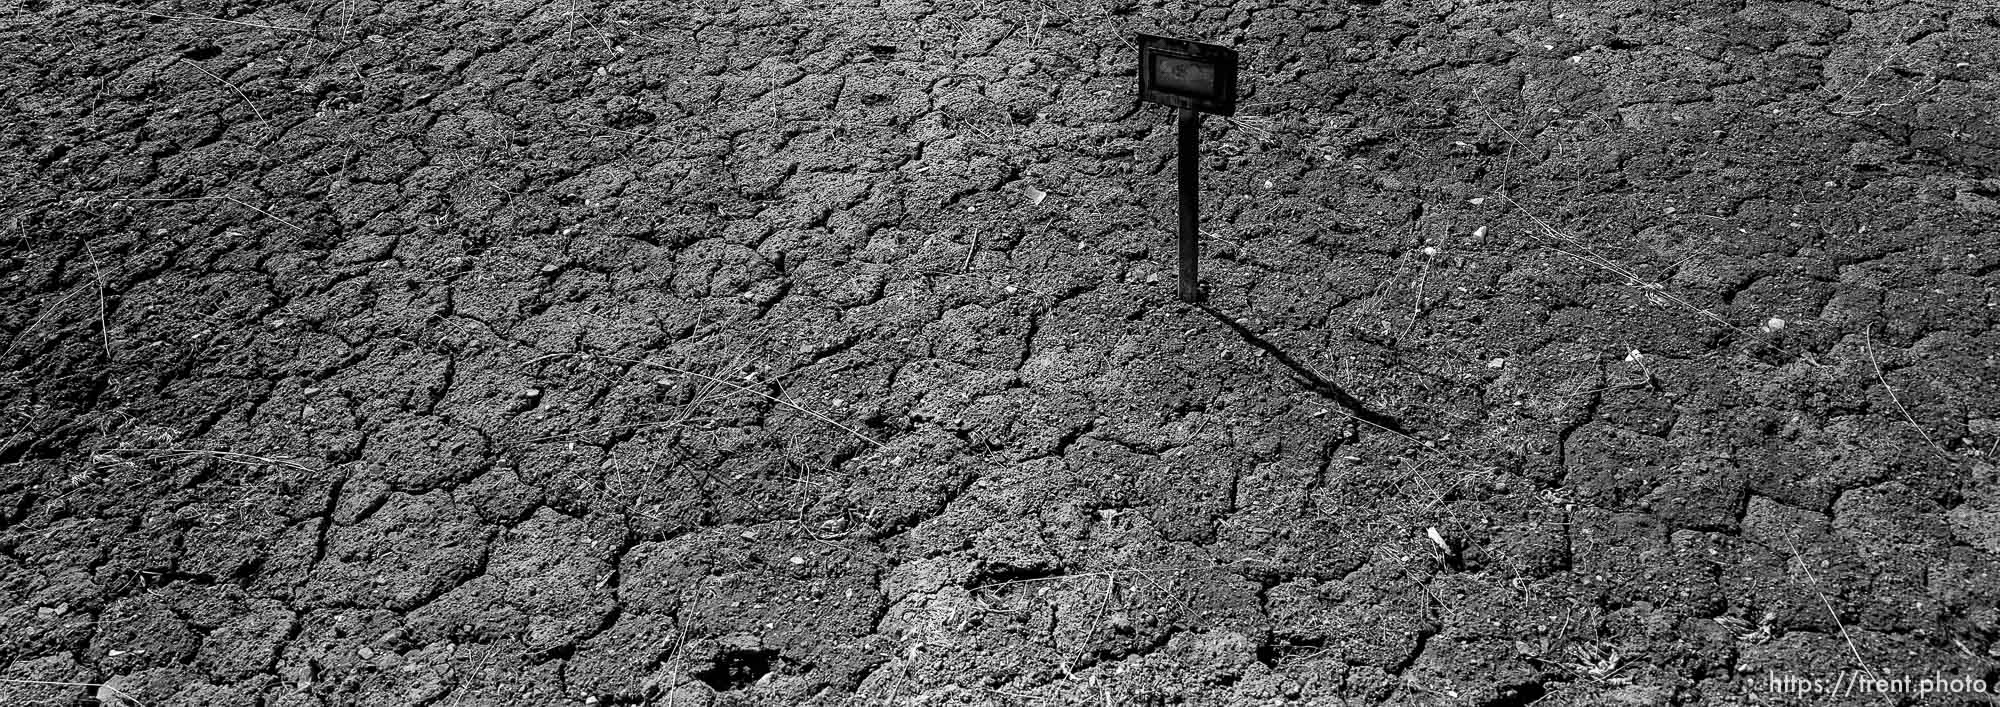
(1652, 289)
(232, 87)
(1423, 281)
(605, 491)
(204, 19)
(218, 455)
(51, 310)
(1814, 582)
(231, 199)
(461, 688)
(1868, 345)
(1259, 127)
(103, 327)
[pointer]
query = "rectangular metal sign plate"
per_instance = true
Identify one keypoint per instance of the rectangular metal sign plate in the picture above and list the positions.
(1184, 74)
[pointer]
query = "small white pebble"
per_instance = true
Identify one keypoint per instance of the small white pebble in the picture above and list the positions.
(1479, 232)
(1496, 363)
(1476, 202)
(1431, 251)
(1773, 324)
(796, 560)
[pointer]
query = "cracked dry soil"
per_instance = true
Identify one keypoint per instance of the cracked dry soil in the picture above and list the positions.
(743, 353)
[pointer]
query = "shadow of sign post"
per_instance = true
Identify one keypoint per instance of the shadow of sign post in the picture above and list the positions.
(1193, 78)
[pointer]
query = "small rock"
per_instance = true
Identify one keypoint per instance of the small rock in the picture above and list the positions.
(796, 560)
(1497, 363)
(366, 652)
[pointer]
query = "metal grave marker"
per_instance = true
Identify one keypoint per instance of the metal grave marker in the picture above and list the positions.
(1193, 78)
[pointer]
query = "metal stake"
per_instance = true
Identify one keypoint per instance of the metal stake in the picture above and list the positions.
(1190, 179)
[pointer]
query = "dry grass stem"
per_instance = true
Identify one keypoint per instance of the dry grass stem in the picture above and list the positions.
(231, 199)
(216, 454)
(232, 87)
(1652, 289)
(1868, 345)
(1835, 615)
(103, 327)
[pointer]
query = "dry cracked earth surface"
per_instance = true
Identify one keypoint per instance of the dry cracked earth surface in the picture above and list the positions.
(760, 353)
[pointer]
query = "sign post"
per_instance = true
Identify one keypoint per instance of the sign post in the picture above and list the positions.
(1193, 78)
